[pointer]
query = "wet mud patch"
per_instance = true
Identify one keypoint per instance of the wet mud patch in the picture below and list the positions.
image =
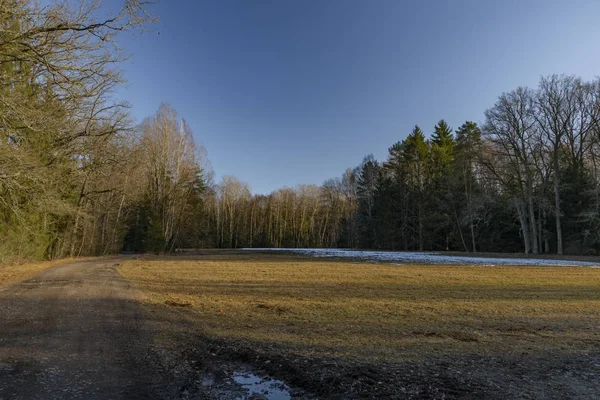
(243, 385)
(269, 388)
(232, 370)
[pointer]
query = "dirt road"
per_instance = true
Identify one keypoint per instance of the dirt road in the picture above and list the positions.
(75, 331)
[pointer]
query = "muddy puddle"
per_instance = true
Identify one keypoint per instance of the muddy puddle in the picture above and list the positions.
(267, 388)
(244, 385)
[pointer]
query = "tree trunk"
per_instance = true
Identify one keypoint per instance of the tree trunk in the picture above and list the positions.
(546, 241)
(540, 231)
(462, 238)
(534, 233)
(420, 227)
(473, 235)
(524, 226)
(559, 240)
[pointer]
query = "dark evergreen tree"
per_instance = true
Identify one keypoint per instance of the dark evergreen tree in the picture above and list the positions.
(441, 200)
(367, 182)
(468, 200)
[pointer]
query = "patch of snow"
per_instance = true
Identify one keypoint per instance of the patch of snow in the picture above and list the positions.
(429, 258)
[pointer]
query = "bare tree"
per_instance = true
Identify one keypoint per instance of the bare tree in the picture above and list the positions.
(58, 71)
(511, 129)
(172, 168)
(555, 112)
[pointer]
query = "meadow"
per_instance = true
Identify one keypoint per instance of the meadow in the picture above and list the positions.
(376, 312)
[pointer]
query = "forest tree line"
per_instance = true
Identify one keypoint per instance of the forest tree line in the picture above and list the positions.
(526, 180)
(79, 177)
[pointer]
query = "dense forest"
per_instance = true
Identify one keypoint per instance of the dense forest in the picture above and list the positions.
(78, 177)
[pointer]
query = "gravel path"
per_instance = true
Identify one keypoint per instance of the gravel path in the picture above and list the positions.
(75, 331)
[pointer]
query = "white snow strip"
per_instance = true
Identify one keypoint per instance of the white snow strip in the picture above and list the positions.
(429, 258)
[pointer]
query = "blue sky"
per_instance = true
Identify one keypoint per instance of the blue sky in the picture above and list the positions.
(289, 92)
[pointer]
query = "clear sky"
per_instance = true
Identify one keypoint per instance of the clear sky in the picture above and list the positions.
(288, 92)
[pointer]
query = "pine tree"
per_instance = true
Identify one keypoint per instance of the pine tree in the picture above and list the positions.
(468, 145)
(442, 146)
(442, 214)
(417, 160)
(368, 178)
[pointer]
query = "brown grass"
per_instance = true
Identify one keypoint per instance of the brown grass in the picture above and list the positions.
(378, 311)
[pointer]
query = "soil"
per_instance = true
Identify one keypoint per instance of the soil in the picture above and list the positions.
(557, 375)
(76, 331)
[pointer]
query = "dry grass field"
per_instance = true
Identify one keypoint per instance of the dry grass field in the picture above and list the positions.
(345, 329)
(378, 312)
